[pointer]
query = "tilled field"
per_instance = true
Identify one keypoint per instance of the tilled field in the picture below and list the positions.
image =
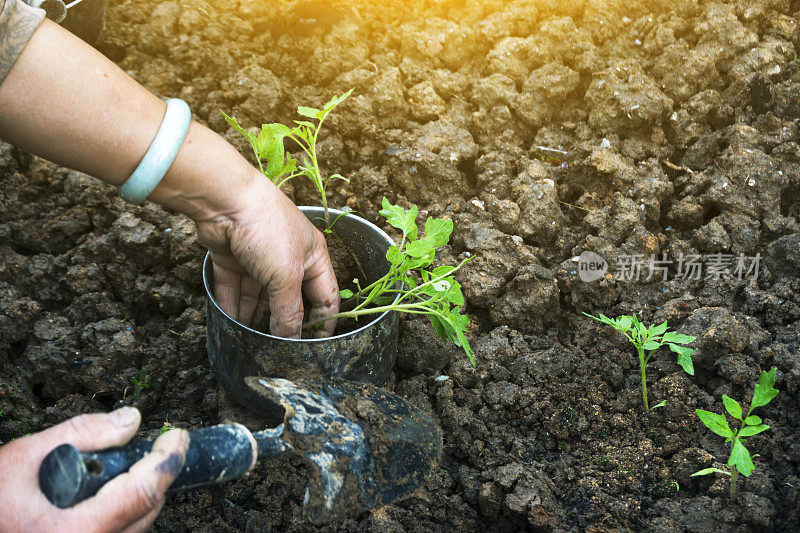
(543, 129)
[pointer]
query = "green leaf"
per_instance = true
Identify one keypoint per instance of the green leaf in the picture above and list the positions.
(716, 423)
(305, 126)
(338, 177)
(624, 322)
(604, 319)
(764, 391)
(732, 406)
(237, 127)
(684, 357)
(659, 329)
(749, 431)
(740, 458)
(651, 345)
(712, 470)
(442, 270)
(437, 234)
(336, 100)
(289, 166)
(394, 256)
(309, 112)
(454, 294)
(752, 420)
(439, 327)
(461, 324)
(441, 286)
(344, 294)
(640, 328)
(677, 338)
(662, 403)
(396, 216)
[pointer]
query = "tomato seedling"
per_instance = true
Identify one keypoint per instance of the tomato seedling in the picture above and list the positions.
(423, 291)
(277, 164)
(740, 460)
(140, 384)
(651, 339)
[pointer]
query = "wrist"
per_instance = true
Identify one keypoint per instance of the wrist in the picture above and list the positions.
(209, 179)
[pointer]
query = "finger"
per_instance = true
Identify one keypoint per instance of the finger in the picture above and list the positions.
(260, 314)
(144, 523)
(286, 305)
(139, 493)
(321, 291)
(89, 432)
(226, 290)
(249, 291)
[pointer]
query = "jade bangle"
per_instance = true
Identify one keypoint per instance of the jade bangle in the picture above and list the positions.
(161, 154)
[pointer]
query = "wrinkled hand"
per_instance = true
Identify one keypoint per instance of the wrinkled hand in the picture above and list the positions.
(129, 502)
(265, 252)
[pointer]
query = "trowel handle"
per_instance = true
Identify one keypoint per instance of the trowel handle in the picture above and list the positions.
(215, 454)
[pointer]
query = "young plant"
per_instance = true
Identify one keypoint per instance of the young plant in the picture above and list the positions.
(140, 384)
(423, 291)
(277, 164)
(166, 426)
(740, 459)
(649, 339)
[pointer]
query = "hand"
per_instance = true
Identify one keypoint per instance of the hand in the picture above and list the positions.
(263, 251)
(129, 502)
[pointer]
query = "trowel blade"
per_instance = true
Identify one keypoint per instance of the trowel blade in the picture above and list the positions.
(367, 447)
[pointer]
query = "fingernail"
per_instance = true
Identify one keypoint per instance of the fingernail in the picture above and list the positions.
(184, 438)
(174, 438)
(181, 438)
(125, 416)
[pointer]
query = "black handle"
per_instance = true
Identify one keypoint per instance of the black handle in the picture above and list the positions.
(215, 454)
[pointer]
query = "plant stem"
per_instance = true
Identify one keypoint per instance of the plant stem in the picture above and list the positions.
(734, 476)
(644, 380)
(320, 183)
(411, 307)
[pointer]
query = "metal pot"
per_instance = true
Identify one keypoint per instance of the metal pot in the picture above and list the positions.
(366, 354)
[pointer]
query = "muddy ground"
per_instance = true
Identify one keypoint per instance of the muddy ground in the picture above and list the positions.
(544, 129)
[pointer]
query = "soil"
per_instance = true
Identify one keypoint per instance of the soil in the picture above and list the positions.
(347, 268)
(543, 129)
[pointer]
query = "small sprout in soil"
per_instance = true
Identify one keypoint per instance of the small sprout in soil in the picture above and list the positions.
(165, 427)
(750, 425)
(277, 164)
(140, 384)
(666, 488)
(423, 291)
(651, 339)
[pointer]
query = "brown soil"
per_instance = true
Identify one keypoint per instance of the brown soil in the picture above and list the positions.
(676, 130)
(347, 268)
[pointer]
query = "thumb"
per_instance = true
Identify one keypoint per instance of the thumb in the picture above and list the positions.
(136, 497)
(89, 432)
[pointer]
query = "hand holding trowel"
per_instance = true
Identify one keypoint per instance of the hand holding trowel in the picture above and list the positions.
(367, 448)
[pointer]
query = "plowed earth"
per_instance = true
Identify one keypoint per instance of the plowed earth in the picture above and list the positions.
(544, 129)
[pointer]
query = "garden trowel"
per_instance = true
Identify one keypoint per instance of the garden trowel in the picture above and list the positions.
(366, 448)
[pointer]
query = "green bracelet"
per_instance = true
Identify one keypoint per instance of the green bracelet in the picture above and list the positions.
(161, 154)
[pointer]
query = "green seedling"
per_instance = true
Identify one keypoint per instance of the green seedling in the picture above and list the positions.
(423, 291)
(277, 164)
(328, 228)
(140, 384)
(165, 427)
(649, 339)
(740, 460)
